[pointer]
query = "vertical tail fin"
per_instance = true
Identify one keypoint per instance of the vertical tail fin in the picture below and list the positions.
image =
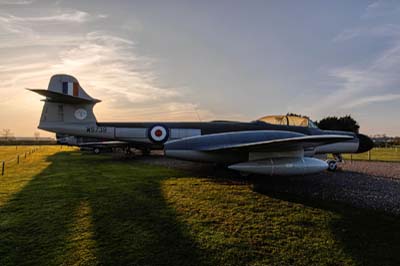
(66, 104)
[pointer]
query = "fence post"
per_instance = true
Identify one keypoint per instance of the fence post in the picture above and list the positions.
(351, 158)
(369, 155)
(17, 159)
(3, 164)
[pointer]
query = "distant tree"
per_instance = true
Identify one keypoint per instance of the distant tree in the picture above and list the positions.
(344, 123)
(298, 115)
(37, 135)
(7, 134)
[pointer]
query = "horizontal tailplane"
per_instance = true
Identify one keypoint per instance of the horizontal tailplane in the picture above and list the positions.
(67, 106)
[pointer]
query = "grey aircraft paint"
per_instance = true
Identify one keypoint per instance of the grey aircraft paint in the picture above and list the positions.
(68, 110)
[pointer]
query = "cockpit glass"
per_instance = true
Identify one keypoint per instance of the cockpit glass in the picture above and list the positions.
(312, 124)
(288, 120)
(275, 120)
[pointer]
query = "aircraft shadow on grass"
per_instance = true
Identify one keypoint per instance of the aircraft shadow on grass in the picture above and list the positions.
(131, 223)
(369, 237)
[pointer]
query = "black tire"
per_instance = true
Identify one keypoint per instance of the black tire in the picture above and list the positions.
(146, 152)
(244, 174)
(332, 166)
(220, 166)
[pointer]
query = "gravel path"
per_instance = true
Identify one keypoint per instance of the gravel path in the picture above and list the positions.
(380, 169)
(370, 185)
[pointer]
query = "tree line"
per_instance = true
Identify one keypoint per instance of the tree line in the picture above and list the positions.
(344, 123)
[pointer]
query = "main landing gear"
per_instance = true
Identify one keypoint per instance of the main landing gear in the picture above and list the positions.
(98, 150)
(333, 164)
(145, 151)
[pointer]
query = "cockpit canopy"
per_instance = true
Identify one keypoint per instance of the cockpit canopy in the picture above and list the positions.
(288, 120)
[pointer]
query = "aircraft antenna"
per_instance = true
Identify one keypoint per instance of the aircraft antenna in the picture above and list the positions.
(197, 113)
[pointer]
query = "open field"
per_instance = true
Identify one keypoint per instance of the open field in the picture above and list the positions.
(9, 153)
(377, 154)
(71, 208)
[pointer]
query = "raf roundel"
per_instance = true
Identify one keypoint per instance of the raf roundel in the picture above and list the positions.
(80, 114)
(158, 133)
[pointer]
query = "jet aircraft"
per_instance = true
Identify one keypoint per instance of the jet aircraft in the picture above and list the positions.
(272, 145)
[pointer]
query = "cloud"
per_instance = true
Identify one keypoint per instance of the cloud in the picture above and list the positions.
(387, 30)
(347, 35)
(8, 25)
(357, 86)
(108, 66)
(106, 62)
(110, 63)
(372, 99)
(381, 8)
(167, 111)
(76, 16)
(16, 2)
(25, 26)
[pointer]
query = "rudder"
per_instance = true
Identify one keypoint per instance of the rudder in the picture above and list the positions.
(66, 103)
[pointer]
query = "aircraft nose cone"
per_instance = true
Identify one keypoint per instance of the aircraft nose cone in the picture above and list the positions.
(365, 143)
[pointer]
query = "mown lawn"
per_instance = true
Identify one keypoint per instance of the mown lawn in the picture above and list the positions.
(68, 208)
(377, 154)
(8, 153)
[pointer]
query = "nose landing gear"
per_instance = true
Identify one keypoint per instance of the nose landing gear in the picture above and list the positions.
(333, 164)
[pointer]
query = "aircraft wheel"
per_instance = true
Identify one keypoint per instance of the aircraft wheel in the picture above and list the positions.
(244, 174)
(96, 151)
(146, 152)
(220, 166)
(332, 165)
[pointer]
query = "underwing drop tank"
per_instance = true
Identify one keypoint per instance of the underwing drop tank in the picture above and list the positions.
(282, 166)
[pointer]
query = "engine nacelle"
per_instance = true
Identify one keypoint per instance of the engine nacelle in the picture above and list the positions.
(282, 166)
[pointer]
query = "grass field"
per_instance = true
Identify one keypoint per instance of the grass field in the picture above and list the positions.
(9, 153)
(378, 154)
(69, 208)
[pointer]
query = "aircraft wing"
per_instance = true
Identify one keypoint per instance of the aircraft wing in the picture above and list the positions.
(255, 141)
(281, 144)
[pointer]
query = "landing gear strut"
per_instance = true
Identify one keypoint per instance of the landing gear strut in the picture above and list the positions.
(145, 152)
(128, 151)
(333, 164)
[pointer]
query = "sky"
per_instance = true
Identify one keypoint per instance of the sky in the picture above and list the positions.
(205, 60)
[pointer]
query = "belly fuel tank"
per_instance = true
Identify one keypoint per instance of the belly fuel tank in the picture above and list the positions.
(282, 166)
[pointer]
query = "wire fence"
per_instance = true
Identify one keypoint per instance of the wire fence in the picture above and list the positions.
(17, 159)
(389, 154)
(14, 157)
